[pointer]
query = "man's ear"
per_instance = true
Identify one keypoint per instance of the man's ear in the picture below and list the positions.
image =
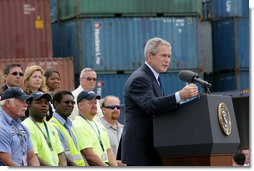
(149, 56)
(55, 104)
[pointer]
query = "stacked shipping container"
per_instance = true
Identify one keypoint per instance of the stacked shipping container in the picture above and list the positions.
(109, 36)
(230, 34)
(25, 37)
(25, 30)
(116, 44)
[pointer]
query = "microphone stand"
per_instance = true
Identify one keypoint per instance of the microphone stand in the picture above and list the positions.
(206, 88)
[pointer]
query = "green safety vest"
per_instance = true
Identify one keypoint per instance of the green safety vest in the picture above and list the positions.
(74, 154)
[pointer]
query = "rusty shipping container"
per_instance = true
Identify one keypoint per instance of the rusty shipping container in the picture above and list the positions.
(25, 30)
(63, 65)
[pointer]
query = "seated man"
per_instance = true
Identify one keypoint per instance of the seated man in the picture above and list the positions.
(111, 112)
(63, 102)
(15, 144)
(44, 137)
(92, 135)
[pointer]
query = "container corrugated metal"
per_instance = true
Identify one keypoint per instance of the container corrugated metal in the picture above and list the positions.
(213, 9)
(230, 44)
(69, 9)
(205, 46)
(25, 30)
(112, 44)
(54, 10)
(63, 65)
(238, 80)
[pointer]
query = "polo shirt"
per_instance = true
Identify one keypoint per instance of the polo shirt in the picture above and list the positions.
(113, 134)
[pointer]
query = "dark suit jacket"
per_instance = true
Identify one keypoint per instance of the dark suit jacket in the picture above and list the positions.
(143, 99)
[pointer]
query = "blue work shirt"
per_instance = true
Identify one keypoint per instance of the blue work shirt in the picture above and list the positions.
(68, 125)
(14, 138)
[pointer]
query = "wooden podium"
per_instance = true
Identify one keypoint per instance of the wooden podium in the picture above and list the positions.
(202, 132)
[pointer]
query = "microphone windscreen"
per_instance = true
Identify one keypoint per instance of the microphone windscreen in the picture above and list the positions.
(187, 75)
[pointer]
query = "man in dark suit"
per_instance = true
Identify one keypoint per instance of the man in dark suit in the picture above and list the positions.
(144, 97)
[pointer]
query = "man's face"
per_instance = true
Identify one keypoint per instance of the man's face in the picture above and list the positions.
(88, 106)
(14, 77)
(17, 107)
(110, 109)
(65, 107)
(161, 60)
(88, 81)
(39, 108)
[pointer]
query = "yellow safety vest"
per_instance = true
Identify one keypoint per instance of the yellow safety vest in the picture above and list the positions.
(74, 154)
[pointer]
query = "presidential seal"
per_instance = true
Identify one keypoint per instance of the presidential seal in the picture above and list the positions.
(224, 118)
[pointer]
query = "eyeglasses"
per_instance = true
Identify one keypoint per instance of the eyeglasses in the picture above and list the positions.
(17, 73)
(113, 107)
(67, 102)
(90, 79)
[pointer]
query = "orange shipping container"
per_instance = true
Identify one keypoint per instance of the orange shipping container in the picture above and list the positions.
(25, 29)
(63, 65)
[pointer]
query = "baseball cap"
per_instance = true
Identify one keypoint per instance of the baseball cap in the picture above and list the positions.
(37, 95)
(88, 95)
(14, 92)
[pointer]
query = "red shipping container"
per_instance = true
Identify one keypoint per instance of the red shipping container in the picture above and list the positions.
(63, 65)
(25, 30)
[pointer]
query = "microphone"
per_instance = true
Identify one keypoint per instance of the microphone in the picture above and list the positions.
(192, 77)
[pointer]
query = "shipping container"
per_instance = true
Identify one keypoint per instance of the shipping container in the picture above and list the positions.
(214, 9)
(63, 65)
(205, 47)
(102, 8)
(237, 80)
(25, 30)
(230, 43)
(117, 44)
(54, 10)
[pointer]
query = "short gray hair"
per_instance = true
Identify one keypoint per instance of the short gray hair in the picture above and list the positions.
(2, 102)
(152, 45)
(82, 73)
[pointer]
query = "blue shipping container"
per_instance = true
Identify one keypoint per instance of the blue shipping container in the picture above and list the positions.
(53, 10)
(229, 81)
(230, 44)
(112, 44)
(214, 9)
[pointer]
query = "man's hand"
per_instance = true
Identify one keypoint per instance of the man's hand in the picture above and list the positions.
(188, 91)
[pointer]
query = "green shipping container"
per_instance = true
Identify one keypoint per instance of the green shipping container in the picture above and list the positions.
(103, 8)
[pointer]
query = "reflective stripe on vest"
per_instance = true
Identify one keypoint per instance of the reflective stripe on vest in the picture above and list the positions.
(74, 154)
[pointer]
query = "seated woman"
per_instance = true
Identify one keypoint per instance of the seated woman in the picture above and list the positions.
(34, 81)
(53, 80)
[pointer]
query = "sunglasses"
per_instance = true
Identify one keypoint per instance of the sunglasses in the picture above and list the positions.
(90, 79)
(17, 73)
(113, 107)
(67, 102)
